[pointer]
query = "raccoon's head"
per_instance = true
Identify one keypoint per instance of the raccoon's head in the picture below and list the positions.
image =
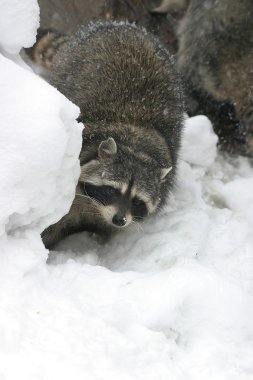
(125, 186)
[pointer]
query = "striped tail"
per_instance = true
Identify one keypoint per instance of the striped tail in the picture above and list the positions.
(48, 42)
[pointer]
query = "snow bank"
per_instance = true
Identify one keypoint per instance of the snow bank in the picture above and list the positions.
(170, 300)
(39, 147)
(38, 150)
(19, 20)
(199, 142)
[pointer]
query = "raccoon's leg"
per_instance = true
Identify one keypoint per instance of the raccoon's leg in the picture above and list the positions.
(54, 233)
(67, 226)
(231, 82)
(81, 217)
(245, 114)
(236, 78)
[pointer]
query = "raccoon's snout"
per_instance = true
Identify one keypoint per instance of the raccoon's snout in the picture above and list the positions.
(119, 220)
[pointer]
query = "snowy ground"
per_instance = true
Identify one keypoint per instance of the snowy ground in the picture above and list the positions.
(170, 301)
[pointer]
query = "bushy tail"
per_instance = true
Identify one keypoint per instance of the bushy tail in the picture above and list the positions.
(48, 42)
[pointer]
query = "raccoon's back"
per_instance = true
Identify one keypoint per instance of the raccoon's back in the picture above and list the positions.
(119, 72)
(214, 33)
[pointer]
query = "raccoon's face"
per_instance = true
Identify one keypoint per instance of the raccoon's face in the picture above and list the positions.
(117, 206)
(122, 188)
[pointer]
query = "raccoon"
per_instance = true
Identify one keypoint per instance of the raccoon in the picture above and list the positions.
(131, 104)
(215, 54)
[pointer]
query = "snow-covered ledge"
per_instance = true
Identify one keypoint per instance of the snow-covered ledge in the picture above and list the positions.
(40, 139)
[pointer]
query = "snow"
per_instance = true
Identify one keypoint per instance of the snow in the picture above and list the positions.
(37, 159)
(19, 21)
(171, 299)
(199, 142)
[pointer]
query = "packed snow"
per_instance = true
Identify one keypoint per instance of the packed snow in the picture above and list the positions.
(170, 300)
(19, 21)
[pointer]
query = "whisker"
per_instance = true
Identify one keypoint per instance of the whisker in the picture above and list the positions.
(138, 217)
(138, 226)
(82, 195)
(90, 212)
(92, 199)
(97, 203)
(95, 200)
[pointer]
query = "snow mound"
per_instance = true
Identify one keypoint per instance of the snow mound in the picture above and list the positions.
(19, 21)
(39, 145)
(199, 144)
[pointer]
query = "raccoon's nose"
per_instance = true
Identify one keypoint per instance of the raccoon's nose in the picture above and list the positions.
(119, 220)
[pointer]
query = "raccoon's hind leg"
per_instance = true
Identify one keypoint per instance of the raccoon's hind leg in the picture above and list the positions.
(48, 42)
(232, 83)
(246, 118)
(236, 84)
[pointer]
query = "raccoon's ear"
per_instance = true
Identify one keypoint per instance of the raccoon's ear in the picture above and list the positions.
(164, 172)
(107, 148)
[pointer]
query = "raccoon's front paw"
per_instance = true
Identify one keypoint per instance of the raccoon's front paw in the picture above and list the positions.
(248, 134)
(48, 237)
(51, 236)
(246, 118)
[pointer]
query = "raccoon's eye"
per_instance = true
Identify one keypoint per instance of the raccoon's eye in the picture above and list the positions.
(102, 193)
(137, 202)
(109, 191)
(139, 209)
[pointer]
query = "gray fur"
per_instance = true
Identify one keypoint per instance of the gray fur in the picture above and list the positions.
(131, 104)
(216, 54)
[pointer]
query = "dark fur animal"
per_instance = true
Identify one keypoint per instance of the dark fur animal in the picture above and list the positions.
(130, 99)
(215, 56)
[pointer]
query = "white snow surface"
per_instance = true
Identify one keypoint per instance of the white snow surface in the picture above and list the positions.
(172, 300)
(19, 20)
